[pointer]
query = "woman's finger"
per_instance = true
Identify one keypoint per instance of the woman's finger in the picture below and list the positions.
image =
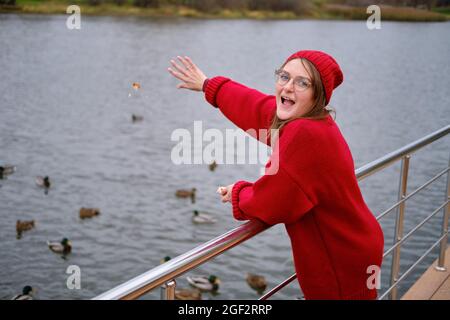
(189, 61)
(179, 68)
(184, 62)
(177, 75)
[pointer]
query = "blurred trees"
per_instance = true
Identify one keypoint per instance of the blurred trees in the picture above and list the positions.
(147, 3)
(8, 2)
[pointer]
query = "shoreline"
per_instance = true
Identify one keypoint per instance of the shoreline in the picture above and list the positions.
(324, 12)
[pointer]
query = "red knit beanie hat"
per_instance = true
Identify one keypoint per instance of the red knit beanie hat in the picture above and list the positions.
(330, 72)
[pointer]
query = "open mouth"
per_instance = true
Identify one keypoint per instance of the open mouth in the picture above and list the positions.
(287, 101)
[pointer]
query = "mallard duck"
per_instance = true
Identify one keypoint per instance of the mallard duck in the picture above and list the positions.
(43, 182)
(89, 212)
(22, 226)
(257, 282)
(65, 246)
(213, 166)
(27, 294)
(136, 118)
(6, 170)
(188, 294)
(202, 218)
(186, 194)
(203, 283)
(165, 259)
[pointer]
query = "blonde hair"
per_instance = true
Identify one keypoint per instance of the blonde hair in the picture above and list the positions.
(319, 109)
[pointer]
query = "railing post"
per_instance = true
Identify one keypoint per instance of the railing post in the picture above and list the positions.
(168, 290)
(395, 267)
(443, 245)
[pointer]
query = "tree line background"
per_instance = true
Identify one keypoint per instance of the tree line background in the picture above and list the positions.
(297, 6)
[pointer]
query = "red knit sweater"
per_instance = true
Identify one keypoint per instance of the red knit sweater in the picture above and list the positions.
(315, 193)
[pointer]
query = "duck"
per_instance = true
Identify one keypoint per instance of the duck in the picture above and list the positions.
(164, 260)
(43, 182)
(257, 282)
(6, 170)
(213, 166)
(202, 218)
(27, 294)
(136, 118)
(89, 212)
(187, 194)
(204, 283)
(188, 294)
(65, 246)
(22, 226)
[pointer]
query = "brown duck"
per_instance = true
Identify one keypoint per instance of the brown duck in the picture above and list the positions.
(89, 212)
(257, 282)
(186, 194)
(22, 226)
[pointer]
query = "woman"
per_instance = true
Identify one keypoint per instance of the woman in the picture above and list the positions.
(313, 190)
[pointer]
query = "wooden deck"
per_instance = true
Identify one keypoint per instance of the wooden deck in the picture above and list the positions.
(433, 284)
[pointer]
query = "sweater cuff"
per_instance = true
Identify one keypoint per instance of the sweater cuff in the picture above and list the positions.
(205, 83)
(212, 86)
(237, 212)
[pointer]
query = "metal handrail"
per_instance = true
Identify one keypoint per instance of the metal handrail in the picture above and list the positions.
(426, 184)
(175, 267)
(412, 267)
(405, 237)
(377, 165)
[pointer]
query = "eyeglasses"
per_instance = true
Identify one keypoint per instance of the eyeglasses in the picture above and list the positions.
(300, 83)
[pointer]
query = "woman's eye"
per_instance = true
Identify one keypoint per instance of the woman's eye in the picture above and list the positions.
(303, 84)
(284, 77)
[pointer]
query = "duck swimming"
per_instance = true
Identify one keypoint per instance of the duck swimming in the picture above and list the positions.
(164, 260)
(43, 182)
(186, 194)
(203, 283)
(22, 226)
(257, 282)
(213, 166)
(136, 118)
(64, 246)
(6, 170)
(89, 212)
(202, 218)
(27, 294)
(188, 294)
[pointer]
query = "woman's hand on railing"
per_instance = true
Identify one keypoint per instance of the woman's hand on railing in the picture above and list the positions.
(185, 70)
(225, 193)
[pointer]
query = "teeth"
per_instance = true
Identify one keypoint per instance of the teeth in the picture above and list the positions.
(285, 98)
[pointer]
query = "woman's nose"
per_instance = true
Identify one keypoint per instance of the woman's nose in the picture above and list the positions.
(289, 86)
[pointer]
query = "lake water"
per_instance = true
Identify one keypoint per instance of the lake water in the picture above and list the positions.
(66, 113)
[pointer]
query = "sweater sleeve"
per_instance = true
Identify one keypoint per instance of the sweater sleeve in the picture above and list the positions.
(272, 199)
(245, 107)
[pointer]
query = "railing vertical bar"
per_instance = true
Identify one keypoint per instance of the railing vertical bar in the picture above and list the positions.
(403, 186)
(168, 290)
(443, 244)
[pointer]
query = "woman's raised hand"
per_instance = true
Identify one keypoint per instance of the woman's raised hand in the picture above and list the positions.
(191, 76)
